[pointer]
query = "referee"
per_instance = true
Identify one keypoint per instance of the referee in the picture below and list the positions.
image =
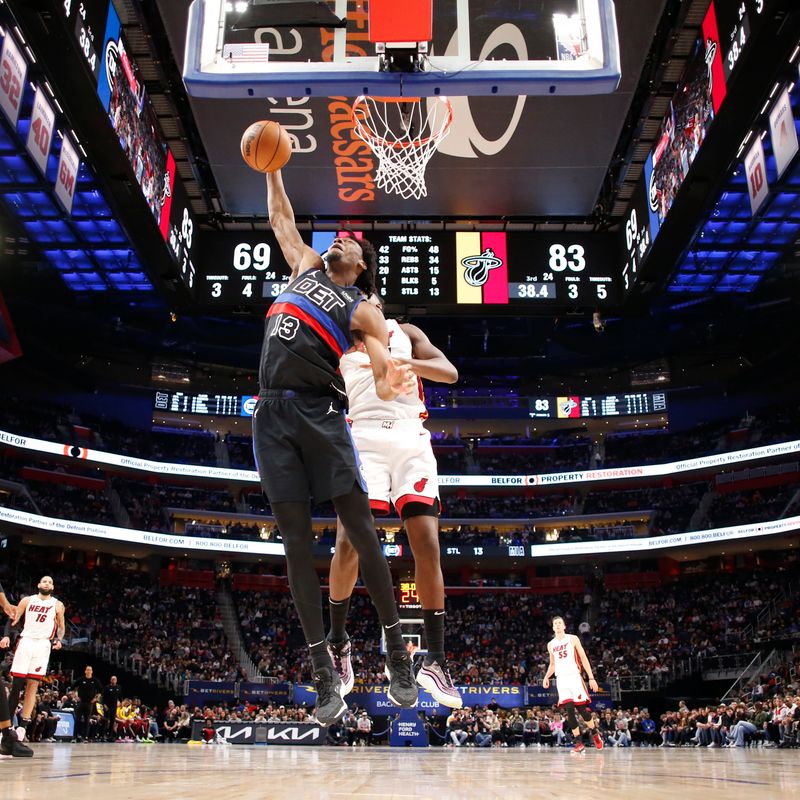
(87, 687)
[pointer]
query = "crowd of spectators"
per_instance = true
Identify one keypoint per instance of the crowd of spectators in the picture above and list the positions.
(673, 505)
(733, 508)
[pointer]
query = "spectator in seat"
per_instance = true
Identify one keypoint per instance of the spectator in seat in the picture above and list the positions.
(455, 729)
(364, 730)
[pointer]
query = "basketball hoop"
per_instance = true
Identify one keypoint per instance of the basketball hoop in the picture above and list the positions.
(404, 133)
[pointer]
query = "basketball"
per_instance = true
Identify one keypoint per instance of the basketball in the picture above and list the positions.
(265, 146)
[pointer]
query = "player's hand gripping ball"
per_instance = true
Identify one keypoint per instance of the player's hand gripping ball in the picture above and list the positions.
(266, 146)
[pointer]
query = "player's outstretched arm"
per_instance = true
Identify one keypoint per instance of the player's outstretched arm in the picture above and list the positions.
(8, 609)
(391, 378)
(551, 668)
(299, 256)
(585, 661)
(428, 361)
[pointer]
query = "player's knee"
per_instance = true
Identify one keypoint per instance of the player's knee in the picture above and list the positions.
(586, 713)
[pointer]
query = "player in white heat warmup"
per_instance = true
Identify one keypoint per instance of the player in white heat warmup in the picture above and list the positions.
(400, 469)
(44, 624)
(567, 662)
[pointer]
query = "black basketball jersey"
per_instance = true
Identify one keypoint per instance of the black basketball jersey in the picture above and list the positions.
(306, 332)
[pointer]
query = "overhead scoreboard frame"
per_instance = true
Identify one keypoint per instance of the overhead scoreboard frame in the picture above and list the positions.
(207, 71)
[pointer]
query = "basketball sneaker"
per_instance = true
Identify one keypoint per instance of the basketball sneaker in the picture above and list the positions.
(10, 745)
(439, 683)
(578, 748)
(330, 706)
(598, 741)
(402, 687)
(340, 655)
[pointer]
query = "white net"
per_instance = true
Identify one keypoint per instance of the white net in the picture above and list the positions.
(404, 133)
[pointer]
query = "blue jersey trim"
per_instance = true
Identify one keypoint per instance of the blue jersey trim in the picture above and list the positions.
(318, 314)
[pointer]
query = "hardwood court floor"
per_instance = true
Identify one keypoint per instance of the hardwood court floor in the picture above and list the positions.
(177, 772)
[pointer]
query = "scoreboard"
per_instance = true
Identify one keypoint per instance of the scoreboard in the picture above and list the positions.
(442, 270)
(588, 406)
(727, 30)
(96, 32)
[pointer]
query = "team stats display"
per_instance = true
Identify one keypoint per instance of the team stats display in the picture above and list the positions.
(607, 405)
(440, 270)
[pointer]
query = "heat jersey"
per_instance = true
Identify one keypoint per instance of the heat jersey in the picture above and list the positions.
(40, 618)
(363, 400)
(566, 656)
(306, 332)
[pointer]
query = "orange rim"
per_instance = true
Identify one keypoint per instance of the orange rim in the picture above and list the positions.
(360, 104)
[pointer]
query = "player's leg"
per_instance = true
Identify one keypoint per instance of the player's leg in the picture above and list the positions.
(278, 428)
(29, 701)
(9, 742)
(586, 713)
(343, 576)
(354, 511)
(415, 492)
(422, 526)
(572, 724)
(344, 564)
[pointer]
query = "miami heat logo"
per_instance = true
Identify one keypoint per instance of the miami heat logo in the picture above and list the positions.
(420, 485)
(476, 268)
(567, 406)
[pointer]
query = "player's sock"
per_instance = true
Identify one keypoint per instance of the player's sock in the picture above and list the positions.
(294, 523)
(17, 685)
(5, 712)
(319, 655)
(338, 610)
(433, 620)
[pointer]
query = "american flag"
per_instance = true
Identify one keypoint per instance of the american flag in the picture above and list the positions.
(242, 53)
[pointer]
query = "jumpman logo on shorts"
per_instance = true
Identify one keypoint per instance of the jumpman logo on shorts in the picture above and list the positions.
(331, 409)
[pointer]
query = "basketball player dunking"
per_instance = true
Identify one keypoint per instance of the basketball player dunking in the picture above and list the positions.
(400, 468)
(567, 661)
(44, 623)
(301, 441)
(9, 743)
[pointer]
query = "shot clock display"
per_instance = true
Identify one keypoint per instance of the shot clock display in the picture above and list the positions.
(408, 599)
(457, 271)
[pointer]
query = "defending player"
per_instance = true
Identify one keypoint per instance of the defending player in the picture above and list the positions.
(302, 445)
(400, 468)
(566, 659)
(44, 623)
(9, 743)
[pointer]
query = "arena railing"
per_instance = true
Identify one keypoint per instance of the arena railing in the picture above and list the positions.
(223, 474)
(640, 545)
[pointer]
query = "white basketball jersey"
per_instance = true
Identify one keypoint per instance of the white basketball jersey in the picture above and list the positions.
(566, 657)
(360, 385)
(40, 618)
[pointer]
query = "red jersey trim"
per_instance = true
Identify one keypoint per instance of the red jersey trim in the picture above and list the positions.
(295, 311)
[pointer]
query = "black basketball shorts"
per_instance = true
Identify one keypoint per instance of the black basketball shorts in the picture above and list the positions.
(303, 449)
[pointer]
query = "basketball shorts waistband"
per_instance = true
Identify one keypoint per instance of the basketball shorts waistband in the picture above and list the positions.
(412, 423)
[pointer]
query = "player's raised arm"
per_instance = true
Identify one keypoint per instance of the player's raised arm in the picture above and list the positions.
(61, 626)
(8, 608)
(585, 661)
(428, 360)
(391, 379)
(551, 668)
(299, 256)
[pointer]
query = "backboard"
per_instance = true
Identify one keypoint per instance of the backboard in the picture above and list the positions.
(478, 47)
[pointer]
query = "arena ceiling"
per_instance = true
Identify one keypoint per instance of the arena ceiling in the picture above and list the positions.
(537, 157)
